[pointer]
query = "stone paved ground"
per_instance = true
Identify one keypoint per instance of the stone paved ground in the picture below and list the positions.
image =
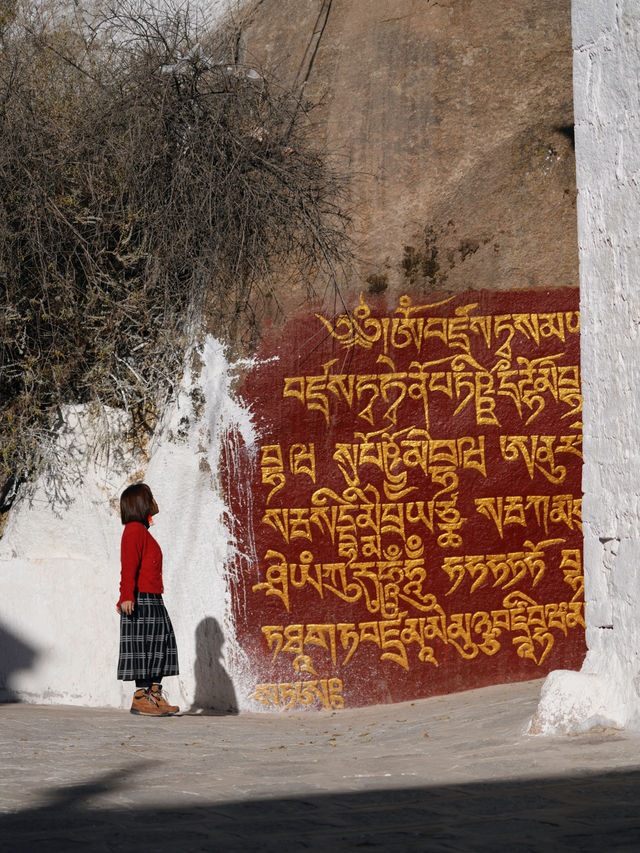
(452, 773)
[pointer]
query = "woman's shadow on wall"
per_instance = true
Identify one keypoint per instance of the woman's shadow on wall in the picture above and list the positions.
(214, 690)
(14, 656)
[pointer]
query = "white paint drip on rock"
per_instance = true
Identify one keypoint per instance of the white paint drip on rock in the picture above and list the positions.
(60, 573)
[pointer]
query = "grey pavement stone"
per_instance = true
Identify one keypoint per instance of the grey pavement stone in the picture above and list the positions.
(451, 773)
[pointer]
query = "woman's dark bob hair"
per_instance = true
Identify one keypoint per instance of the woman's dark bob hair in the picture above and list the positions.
(136, 503)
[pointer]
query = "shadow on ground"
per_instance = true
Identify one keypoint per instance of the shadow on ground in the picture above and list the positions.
(582, 813)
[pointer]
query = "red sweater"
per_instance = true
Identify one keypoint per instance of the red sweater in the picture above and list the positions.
(141, 560)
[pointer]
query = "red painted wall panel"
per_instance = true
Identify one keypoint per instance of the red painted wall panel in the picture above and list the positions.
(409, 523)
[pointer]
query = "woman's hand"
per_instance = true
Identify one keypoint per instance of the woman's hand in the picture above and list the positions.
(125, 607)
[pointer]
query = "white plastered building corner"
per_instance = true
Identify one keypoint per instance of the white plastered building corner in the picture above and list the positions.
(607, 132)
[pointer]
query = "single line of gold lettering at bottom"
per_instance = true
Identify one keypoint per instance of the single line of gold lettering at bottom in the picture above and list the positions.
(326, 691)
(470, 634)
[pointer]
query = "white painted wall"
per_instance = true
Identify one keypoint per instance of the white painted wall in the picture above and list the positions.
(59, 575)
(606, 41)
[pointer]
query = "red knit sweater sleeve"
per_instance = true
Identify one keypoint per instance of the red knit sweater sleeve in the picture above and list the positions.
(131, 549)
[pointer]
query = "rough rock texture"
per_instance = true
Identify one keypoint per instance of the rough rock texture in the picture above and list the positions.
(455, 121)
(607, 59)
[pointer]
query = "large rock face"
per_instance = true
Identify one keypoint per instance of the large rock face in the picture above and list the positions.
(454, 120)
(456, 130)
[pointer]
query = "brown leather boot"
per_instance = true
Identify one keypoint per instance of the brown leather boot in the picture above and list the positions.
(143, 703)
(156, 695)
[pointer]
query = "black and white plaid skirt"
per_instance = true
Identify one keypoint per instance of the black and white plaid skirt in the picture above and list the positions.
(147, 643)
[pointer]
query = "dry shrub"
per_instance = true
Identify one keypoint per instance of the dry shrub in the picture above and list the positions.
(145, 173)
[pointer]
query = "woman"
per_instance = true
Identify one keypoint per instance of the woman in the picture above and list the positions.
(147, 644)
